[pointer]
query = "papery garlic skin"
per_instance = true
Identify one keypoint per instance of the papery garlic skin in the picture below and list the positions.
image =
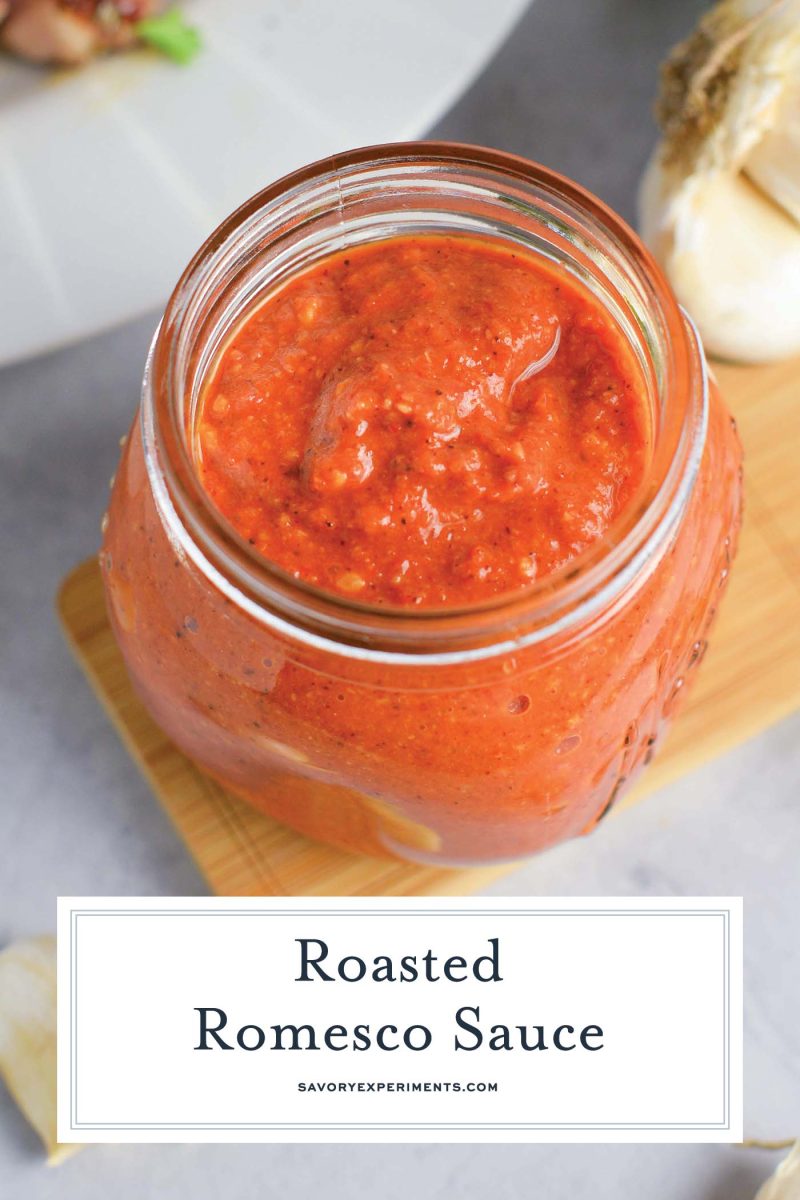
(785, 1183)
(719, 203)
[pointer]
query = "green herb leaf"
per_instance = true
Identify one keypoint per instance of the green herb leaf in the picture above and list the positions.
(170, 35)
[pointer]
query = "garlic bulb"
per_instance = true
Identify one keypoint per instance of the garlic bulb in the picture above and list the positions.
(785, 1183)
(720, 201)
(28, 1035)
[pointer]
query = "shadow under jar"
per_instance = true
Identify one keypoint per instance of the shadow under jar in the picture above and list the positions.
(435, 735)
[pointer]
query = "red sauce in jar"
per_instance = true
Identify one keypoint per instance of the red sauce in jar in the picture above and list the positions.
(429, 421)
(425, 421)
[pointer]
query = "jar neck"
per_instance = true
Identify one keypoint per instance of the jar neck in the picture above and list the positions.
(382, 192)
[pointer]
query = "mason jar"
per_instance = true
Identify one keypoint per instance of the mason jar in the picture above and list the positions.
(439, 736)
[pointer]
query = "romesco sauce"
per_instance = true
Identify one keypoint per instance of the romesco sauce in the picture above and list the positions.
(396, 467)
(426, 421)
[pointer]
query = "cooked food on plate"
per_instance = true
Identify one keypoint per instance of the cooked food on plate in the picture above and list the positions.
(71, 32)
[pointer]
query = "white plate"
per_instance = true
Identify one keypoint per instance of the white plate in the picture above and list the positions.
(111, 176)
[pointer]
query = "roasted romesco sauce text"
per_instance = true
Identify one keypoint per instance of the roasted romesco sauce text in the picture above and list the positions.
(429, 421)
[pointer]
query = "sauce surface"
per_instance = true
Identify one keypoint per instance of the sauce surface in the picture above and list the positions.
(424, 421)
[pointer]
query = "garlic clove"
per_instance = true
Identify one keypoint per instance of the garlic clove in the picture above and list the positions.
(733, 259)
(774, 164)
(28, 1035)
(785, 1183)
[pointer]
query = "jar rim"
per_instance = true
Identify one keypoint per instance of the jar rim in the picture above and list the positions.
(562, 600)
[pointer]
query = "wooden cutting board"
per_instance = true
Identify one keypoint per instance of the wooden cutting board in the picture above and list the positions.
(750, 679)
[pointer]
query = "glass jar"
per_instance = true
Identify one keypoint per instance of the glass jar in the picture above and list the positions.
(450, 737)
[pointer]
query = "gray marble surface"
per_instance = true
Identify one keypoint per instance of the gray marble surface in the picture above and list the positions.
(572, 88)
